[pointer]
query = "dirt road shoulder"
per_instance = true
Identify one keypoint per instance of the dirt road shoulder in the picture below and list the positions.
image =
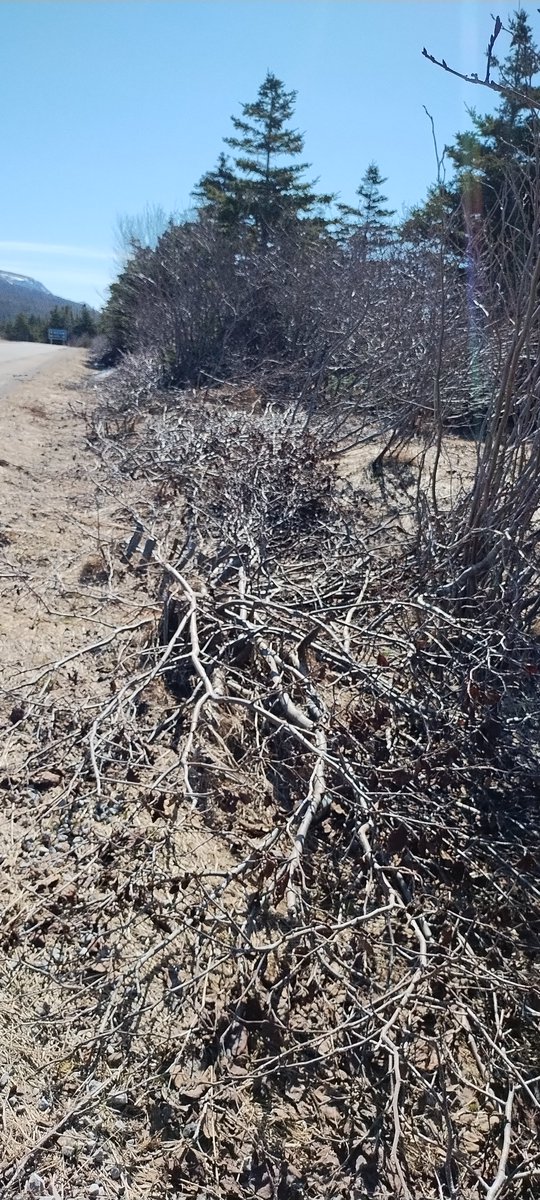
(55, 520)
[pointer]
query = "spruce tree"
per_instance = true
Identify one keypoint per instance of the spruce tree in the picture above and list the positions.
(499, 139)
(265, 188)
(84, 324)
(60, 317)
(518, 70)
(21, 329)
(370, 222)
(494, 160)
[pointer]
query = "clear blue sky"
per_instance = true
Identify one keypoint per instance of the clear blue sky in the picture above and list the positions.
(111, 105)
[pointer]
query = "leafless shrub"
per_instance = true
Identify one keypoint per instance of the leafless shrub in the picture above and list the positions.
(324, 324)
(134, 383)
(486, 558)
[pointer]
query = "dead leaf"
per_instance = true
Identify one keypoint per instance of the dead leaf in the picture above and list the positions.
(237, 1071)
(188, 1093)
(238, 1040)
(43, 780)
(397, 840)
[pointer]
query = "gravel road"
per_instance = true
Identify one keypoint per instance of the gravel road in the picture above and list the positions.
(21, 360)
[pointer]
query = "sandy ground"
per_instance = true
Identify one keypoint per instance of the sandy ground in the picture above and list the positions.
(454, 474)
(55, 518)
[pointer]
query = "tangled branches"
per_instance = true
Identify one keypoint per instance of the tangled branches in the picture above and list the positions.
(305, 917)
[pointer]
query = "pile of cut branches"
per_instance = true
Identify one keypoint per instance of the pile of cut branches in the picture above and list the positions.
(300, 951)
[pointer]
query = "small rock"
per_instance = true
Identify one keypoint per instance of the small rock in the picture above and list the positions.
(68, 1144)
(35, 1185)
(69, 892)
(115, 1173)
(118, 1100)
(43, 780)
(94, 1190)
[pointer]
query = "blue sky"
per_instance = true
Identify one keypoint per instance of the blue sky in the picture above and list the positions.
(112, 105)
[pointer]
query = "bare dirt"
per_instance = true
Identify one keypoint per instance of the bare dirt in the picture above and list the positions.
(58, 531)
(56, 524)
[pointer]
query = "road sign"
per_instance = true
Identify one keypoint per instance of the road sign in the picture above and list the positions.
(57, 335)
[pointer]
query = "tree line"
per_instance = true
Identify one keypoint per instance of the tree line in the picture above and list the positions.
(81, 324)
(266, 269)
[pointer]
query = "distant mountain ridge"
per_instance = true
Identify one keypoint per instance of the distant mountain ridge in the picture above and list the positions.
(21, 294)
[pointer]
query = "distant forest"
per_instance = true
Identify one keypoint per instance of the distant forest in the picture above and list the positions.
(81, 324)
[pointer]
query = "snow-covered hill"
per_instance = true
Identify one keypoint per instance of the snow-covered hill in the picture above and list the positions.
(25, 281)
(21, 294)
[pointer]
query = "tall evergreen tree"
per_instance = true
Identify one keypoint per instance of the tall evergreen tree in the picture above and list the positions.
(19, 330)
(369, 223)
(84, 324)
(493, 160)
(499, 139)
(522, 64)
(265, 189)
(61, 317)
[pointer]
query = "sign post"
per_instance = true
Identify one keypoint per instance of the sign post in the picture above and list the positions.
(57, 337)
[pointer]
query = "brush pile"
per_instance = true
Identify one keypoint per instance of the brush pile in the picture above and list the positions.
(287, 940)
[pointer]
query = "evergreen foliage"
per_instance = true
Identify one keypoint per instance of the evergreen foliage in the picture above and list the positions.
(493, 160)
(218, 194)
(265, 187)
(370, 222)
(81, 325)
